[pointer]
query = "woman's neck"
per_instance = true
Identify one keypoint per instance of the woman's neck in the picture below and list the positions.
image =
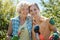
(22, 20)
(38, 19)
(36, 16)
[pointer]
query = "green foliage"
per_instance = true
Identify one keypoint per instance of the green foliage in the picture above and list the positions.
(52, 9)
(3, 34)
(7, 10)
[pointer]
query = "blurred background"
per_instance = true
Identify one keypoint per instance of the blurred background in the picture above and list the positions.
(48, 8)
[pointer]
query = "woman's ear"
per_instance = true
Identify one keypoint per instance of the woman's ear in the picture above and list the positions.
(29, 15)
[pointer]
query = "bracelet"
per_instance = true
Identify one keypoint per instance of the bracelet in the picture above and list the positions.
(7, 36)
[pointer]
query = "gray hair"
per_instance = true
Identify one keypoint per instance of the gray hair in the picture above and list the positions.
(20, 5)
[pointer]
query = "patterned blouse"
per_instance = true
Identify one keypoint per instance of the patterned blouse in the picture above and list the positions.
(16, 24)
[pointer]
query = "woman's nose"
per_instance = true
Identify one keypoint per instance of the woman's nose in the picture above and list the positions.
(33, 11)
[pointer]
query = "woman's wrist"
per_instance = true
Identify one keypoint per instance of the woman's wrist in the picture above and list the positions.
(8, 37)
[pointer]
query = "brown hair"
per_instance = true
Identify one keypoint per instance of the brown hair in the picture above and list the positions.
(35, 5)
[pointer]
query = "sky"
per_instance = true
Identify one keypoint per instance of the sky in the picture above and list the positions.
(32, 1)
(36, 1)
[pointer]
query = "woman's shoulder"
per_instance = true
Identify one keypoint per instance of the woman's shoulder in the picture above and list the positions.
(15, 18)
(47, 20)
(44, 18)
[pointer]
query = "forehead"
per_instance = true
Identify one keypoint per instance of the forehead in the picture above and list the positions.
(33, 7)
(24, 6)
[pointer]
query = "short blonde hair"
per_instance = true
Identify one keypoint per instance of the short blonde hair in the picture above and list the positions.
(20, 5)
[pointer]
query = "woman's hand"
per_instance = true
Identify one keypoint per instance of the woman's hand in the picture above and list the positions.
(8, 37)
(9, 32)
(19, 33)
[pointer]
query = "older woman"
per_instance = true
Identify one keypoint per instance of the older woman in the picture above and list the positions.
(17, 22)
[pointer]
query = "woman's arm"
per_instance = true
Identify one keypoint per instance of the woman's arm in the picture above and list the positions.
(9, 32)
(51, 26)
(33, 34)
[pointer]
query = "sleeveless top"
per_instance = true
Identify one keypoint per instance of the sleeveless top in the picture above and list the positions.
(24, 34)
(16, 24)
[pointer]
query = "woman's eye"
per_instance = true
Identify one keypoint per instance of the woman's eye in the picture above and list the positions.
(34, 9)
(30, 10)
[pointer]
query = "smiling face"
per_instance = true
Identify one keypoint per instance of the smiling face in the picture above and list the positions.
(33, 9)
(22, 8)
(24, 11)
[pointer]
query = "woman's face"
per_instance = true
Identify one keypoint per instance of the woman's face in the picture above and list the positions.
(24, 11)
(34, 10)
